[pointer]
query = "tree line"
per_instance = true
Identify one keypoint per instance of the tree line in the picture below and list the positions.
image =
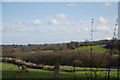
(66, 53)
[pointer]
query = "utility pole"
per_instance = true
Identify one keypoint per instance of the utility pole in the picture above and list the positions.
(91, 50)
(111, 51)
(56, 68)
(118, 66)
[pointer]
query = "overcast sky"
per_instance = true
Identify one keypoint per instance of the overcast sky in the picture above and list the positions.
(54, 22)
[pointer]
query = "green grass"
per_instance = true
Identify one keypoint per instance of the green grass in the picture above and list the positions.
(10, 71)
(34, 52)
(86, 68)
(97, 48)
(47, 50)
(15, 48)
(116, 55)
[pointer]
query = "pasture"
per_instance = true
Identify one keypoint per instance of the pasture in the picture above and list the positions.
(96, 49)
(75, 60)
(11, 71)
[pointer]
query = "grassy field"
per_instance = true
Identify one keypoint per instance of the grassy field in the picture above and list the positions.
(47, 50)
(10, 71)
(82, 68)
(34, 52)
(97, 49)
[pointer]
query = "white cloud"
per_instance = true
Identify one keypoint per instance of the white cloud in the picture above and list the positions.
(108, 38)
(107, 4)
(53, 30)
(63, 19)
(61, 16)
(79, 21)
(103, 28)
(77, 30)
(66, 22)
(1, 28)
(86, 29)
(37, 22)
(71, 4)
(59, 19)
(102, 20)
(20, 22)
(55, 22)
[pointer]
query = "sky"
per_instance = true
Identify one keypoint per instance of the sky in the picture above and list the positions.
(56, 22)
(60, 0)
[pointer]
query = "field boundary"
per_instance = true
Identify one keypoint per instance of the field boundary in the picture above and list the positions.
(44, 67)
